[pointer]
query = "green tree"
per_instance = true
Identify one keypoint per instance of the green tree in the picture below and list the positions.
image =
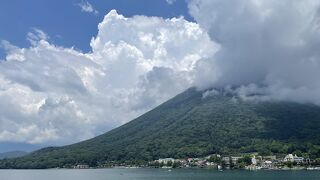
(246, 160)
(176, 164)
(215, 159)
(289, 164)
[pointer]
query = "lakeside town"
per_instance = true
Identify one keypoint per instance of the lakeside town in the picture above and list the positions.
(245, 161)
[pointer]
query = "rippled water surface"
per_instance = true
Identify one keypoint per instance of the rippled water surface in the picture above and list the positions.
(154, 174)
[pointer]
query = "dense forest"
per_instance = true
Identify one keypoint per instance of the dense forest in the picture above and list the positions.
(191, 125)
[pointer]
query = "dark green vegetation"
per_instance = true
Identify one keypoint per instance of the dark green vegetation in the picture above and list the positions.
(191, 126)
(12, 154)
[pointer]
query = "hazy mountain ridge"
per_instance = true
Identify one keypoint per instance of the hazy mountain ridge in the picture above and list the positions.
(12, 154)
(192, 125)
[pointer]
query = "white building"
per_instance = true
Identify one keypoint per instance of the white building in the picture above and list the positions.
(226, 160)
(81, 166)
(267, 164)
(165, 160)
(235, 159)
(254, 160)
(297, 159)
(288, 158)
(293, 158)
(271, 158)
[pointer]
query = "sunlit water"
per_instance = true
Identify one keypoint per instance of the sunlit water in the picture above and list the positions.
(155, 174)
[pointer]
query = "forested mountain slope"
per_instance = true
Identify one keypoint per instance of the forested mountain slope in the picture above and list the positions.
(191, 125)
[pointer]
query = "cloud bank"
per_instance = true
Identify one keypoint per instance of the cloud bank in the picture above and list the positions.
(267, 47)
(267, 50)
(58, 95)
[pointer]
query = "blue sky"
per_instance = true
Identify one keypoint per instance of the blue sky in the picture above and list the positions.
(66, 24)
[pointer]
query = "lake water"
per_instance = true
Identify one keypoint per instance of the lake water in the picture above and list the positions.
(155, 174)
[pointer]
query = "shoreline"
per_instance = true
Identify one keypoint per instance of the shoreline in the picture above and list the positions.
(183, 168)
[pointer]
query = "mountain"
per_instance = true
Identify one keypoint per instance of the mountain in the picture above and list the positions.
(193, 125)
(12, 154)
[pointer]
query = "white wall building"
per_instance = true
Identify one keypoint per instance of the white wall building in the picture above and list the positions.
(254, 160)
(293, 158)
(165, 160)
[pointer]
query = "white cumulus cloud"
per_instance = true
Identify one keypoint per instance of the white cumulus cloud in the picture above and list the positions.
(56, 95)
